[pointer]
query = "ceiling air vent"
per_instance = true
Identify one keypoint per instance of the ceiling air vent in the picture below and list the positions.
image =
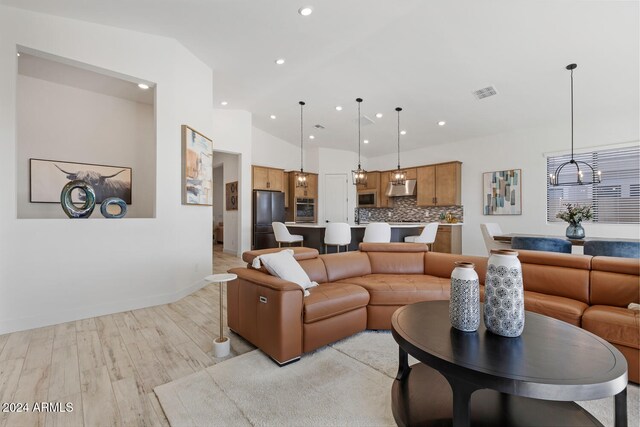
(485, 92)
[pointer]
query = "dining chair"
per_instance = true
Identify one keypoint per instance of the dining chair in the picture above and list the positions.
(377, 232)
(547, 244)
(427, 236)
(612, 248)
(337, 234)
(490, 229)
(282, 235)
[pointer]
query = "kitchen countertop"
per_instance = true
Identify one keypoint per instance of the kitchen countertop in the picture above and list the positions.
(363, 225)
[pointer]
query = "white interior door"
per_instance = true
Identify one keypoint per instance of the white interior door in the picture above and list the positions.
(336, 198)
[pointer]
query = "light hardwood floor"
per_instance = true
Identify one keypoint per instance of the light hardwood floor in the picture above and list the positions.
(107, 366)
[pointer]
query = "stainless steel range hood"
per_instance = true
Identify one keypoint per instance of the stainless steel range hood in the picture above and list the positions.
(408, 189)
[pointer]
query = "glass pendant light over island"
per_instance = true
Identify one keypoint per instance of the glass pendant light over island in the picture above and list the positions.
(596, 176)
(398, 177)
(359, 176)
(301, 177)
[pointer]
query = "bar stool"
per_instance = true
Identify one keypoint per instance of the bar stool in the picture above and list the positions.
(377, 232)
(427, 236)
(337, 234)
(283, 236)
(222, 344)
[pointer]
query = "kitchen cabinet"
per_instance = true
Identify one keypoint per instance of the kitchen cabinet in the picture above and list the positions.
(265, 178)
(426, 185)
(311, 192)
(383, 200)
(439, 185)
(286, 189)
(411, 173)
(373, 182)
(312, 186)
(448, 239)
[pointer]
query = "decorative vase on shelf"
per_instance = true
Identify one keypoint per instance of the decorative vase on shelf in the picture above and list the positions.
(464, 304)
(504, 294)
(575, 231)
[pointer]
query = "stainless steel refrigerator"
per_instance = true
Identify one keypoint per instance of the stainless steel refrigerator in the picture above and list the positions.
(268, 206)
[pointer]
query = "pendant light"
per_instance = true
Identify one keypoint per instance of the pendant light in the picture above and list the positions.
(554, 178)
(398, 177)
(301, 177)
(359, 176)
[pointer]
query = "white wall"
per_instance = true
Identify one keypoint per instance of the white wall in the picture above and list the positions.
(269, 150)
(232, 134)
(59, 122)
(521, 150)
(53, 271)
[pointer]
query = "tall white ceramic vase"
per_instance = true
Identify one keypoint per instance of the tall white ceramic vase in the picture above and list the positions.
(504, 294)
(464, 304)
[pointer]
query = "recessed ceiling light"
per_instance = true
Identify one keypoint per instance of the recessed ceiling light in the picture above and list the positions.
(305, 11)
(312, 137)
(280, 61)
(403, 132)
(379, 115)
(442, 123)
(366, 141)
(273, 117)
(18, 54)
(338, 108)
(224, 103)
(143, 86)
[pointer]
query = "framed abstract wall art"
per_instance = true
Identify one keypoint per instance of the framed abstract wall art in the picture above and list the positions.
(502, 192)
(197, 168)
(47, 177)
(231, 196)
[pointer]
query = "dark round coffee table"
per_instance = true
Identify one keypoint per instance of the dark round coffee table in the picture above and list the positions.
(529, 380)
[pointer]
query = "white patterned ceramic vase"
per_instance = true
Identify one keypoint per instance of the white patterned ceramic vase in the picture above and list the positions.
(464, 305)
(504, 294)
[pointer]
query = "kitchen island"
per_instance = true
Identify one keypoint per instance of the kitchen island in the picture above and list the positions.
(314, 233)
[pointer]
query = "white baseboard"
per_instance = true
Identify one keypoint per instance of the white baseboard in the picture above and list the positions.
(31, 322)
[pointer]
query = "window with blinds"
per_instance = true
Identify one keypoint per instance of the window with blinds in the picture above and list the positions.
(616, 200)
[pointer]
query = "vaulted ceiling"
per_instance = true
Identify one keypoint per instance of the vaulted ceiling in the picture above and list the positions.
(424, 56)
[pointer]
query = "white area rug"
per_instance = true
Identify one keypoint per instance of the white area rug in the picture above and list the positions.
(347, 383)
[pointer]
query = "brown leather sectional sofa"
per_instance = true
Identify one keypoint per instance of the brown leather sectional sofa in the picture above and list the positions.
(361, 290)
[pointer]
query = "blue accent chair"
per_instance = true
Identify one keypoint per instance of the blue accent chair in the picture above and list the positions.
(547, 244)
(612, 248)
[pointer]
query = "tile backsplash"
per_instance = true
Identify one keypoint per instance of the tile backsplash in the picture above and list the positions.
(406, 209)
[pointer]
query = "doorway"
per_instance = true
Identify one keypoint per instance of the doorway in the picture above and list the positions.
(336, 198)
(218, 206)
(225, 214)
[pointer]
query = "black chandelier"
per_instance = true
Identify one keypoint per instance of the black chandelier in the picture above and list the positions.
(359, 176)
(301, 177)
(398, 177)
(554, 178)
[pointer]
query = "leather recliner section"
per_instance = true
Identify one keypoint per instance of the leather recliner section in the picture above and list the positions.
(346, 264)
(402, 289)
(332, 299)
(614, 281)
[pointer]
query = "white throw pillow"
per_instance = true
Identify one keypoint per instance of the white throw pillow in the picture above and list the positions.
(283, 265)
